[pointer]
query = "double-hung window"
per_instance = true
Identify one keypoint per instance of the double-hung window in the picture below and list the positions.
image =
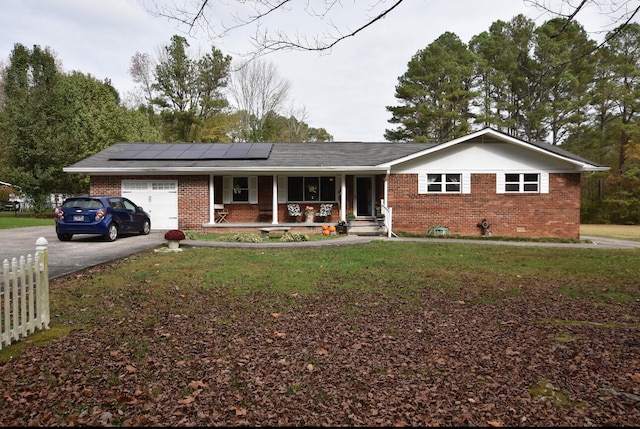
(240, 189)
(311, 188)
(522, 182)
(444, 183)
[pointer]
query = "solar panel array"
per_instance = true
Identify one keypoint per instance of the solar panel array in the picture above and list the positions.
(193, 151)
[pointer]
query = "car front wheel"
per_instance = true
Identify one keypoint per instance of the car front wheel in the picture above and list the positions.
(146, 228)
(112, 232)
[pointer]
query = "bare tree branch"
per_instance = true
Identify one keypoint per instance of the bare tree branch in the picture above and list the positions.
(256, 15)
(196, 15)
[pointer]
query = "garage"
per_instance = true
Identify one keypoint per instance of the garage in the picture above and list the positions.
(159, 198)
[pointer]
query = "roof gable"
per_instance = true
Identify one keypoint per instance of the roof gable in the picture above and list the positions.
(488, 136)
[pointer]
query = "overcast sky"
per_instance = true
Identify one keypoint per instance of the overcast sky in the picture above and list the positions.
(344, 91)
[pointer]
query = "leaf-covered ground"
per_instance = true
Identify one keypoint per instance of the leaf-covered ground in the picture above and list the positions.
(336, 359)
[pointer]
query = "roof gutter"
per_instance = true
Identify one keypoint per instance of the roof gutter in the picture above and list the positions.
(191, 170)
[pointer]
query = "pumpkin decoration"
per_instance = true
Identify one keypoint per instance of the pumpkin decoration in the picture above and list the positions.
(325, 227)
(332, 228)
(325, 232)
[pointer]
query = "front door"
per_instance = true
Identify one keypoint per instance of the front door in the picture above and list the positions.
(364, 196)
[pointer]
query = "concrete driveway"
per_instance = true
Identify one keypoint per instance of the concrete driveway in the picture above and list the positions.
(82, 251)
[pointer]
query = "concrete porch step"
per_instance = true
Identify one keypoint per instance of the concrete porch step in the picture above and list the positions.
(367, 228)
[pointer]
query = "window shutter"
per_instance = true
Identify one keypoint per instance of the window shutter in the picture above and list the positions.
(282, 189)
(227, 182)
(253, 189)
(544, 182)
(500, 183)
(466, 183)
(422, 183)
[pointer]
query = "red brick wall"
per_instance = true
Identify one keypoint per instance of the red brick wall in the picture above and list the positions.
(106, 185)
(193, 201)
(556, 214)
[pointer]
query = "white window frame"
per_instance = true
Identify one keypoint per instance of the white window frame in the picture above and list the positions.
(464, 184)
(227, 190)
(543, 182)
(524, 183)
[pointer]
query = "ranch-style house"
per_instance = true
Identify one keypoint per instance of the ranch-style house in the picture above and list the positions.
(484, 183)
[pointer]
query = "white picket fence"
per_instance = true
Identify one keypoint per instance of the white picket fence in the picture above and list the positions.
(24, 295)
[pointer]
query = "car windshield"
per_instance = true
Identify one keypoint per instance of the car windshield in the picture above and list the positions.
(83, 203)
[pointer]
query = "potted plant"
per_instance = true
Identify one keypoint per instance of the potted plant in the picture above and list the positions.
(341, 227)
(310, 213)
(380, 217)
(173, 238)
(351, 217)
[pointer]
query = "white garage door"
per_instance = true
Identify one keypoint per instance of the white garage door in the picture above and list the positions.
(159, 198)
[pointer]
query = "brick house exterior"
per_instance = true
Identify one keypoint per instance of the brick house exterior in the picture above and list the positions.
(556, 214)
(519, 188)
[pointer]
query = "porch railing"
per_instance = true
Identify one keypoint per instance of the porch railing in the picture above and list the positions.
(387, 212)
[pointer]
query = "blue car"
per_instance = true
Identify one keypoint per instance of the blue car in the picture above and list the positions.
(108, 216)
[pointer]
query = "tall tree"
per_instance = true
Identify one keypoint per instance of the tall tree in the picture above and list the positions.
(30, 123)
(495, 59)
(259, 94)
(623, 57)
(188, 91)
(509, 78)
(50, 120)
(436, 93)
(566, 58)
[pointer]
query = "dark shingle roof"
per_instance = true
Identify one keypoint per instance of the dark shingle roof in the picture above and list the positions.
(283, 155)
(121, 157)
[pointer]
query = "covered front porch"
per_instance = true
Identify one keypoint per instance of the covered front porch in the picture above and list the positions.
(301, 201)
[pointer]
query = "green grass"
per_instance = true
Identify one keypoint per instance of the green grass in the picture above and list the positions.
(155, 283)
(624, 232)
(21, 220)
(149, 282)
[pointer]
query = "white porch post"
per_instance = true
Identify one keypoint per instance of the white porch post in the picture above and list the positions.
(212, 211)
(274, 202)
(386, 189)
(343, 197)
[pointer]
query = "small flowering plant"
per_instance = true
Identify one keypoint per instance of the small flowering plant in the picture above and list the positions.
(174, 234)
(309, 209)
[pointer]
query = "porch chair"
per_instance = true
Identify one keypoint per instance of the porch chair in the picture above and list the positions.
(220, 213)
(264, 213)
(325, 212)
(294, 212)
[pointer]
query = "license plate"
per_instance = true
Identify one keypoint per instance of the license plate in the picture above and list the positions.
(78, 218)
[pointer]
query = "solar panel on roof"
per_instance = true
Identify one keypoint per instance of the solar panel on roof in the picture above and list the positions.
(193, 151)
(128, 154)
(168, 154)
(260, 150)
(236, 153)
